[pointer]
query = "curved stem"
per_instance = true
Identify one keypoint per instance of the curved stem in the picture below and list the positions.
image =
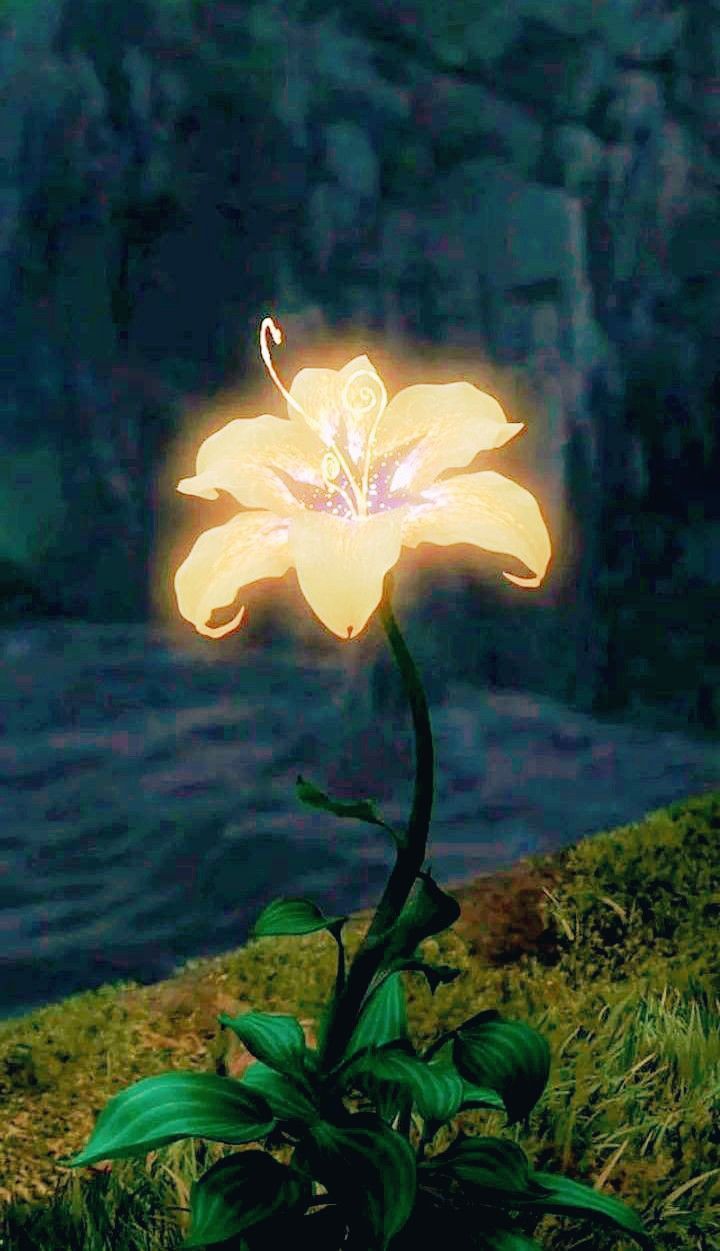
(345, 1008)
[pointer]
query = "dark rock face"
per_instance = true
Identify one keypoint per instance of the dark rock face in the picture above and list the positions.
(540, 193)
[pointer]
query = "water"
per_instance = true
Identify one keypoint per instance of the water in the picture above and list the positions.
(147, 793)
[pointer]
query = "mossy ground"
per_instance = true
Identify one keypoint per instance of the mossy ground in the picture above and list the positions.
(610, 948)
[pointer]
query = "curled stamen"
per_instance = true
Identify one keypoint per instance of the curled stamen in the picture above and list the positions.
(330, 466)
(361, 408)
(268, 324)
(340, 460)
(370, 443)
(355, 408)
(330, 469)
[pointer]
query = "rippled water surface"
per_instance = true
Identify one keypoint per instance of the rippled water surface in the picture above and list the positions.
(148, 808)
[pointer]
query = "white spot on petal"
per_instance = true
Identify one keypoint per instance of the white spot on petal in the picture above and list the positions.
(304, 473)
(403, 473)
(355, 444)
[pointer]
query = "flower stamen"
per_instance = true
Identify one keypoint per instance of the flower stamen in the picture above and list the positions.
(266, 325)
(360, 507)
(364, 408)
(330, 469)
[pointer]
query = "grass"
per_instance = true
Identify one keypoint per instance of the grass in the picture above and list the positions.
(619, 971)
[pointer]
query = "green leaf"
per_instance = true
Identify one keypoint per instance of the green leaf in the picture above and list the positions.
(429, 911)
(240, 1191)
(508, 1056)
(159, 1110)
(369, 1169)
(472, 1096)
(358, 810)
(382, 1022)
(382, 1019)
(566, 1198)
(496, 1168)
(480, 1097)
(293, 916)
(285, 1100)
(275, 1038)
(437, 1088)
(484, 1099)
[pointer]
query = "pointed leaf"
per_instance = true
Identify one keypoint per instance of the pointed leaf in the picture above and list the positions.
(480, 1097)
(570, 1198)
(285, 1100)
(369, 1169)
(472, 1096)
(437, 1089)
(497, 1170)
(159, 1110)
(356, 809)
(429, 911)
(293, 916)
(508, 1056)
(276, 1038)
(489, 1014)
(241, 1191)
(383, 1019)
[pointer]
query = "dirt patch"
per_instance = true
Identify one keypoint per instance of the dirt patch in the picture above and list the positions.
(501, 919)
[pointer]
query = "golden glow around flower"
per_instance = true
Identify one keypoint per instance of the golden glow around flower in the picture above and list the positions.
(344, 482)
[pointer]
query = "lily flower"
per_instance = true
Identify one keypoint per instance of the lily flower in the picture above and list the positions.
(337, 490)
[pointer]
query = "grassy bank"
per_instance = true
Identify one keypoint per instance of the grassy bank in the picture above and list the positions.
(610, 948)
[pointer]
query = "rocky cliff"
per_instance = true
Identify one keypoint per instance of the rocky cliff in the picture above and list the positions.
(533, 185)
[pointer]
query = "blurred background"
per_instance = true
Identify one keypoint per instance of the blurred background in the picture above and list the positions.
(523, 195)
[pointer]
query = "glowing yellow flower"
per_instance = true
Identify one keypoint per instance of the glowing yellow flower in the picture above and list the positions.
(346, 482)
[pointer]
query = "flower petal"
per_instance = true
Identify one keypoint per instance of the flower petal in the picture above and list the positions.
(441, 426)
(341, 564)
(241, 456)
(249, 547)
(486, 509)
(340, 405)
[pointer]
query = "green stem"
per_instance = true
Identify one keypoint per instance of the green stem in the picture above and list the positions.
(345, 1007)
